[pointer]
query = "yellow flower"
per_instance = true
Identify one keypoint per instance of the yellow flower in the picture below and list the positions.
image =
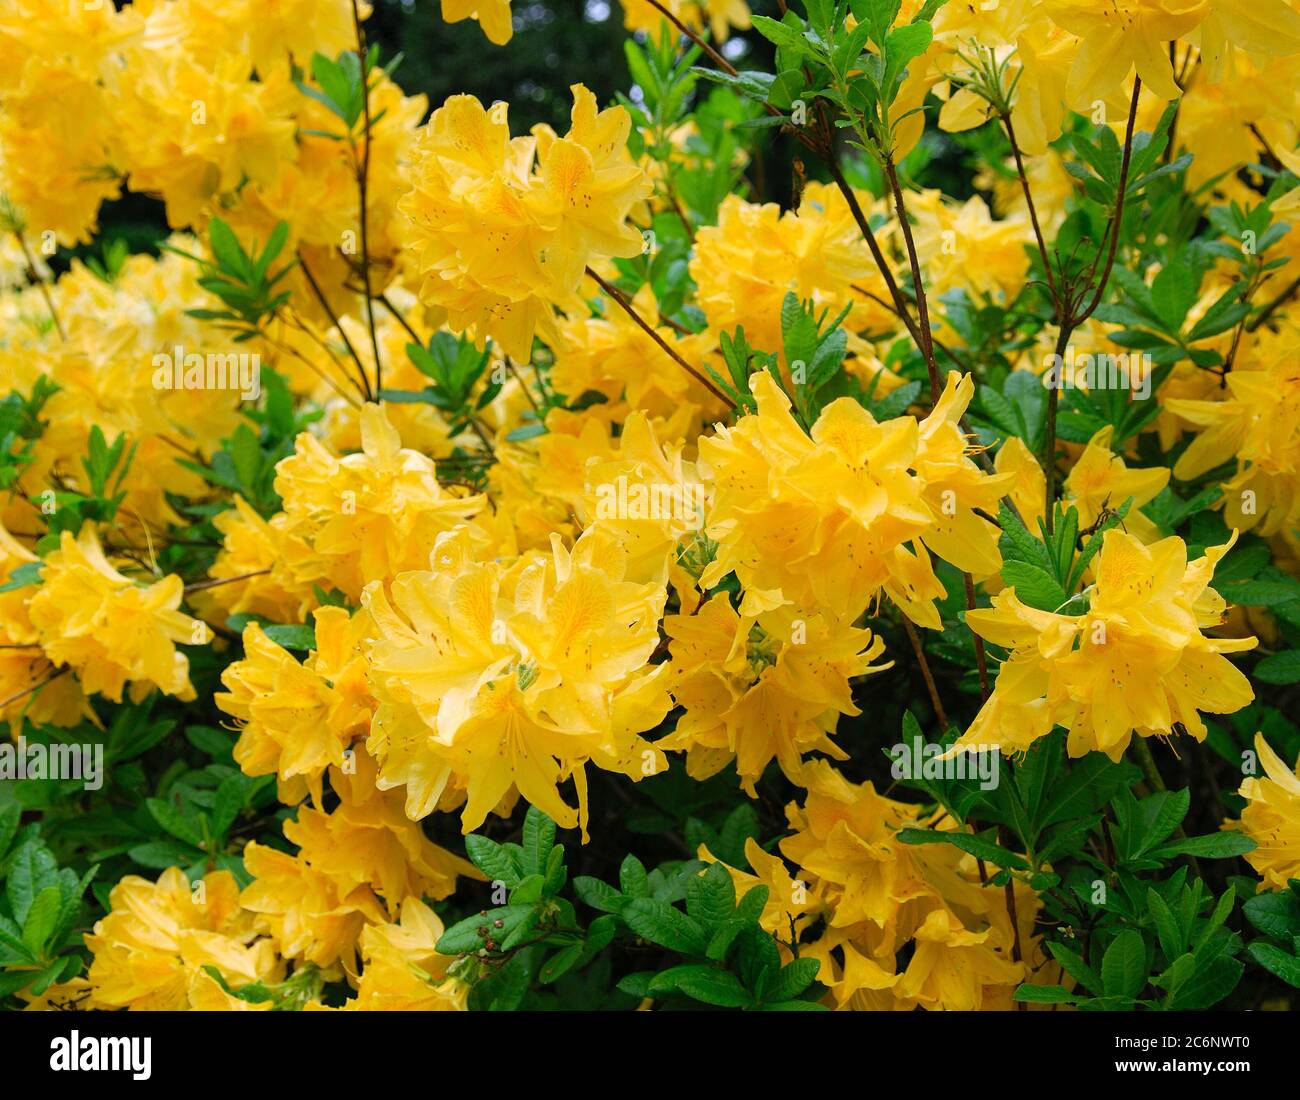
(1120, 35)
(492, 15)
(879, 894)
(23, 663)
(956, 489)
(951, 967)
(608, 355)
(1136, 661)
(368, 843)
(1100, 479)
(1272, 818)
(492, 680)
(762, 687)
(254, 550)
(402, 970)
(297, 719)
(193, 132)
(150, 949)
(1028, 490)
(646, 497)
(109, 630)
(755, 255)
(363, 517)
(503, 228)
(1256, 425)
(963, 247)
(303, 910)
(1255, 26)
(834, 519)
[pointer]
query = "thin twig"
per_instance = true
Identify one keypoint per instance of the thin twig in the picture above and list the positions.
(35, 277)
(1118, 220)
(334, 320)
(1274, 306)
(32, 688)
(363, 182)
(926, 674)
(617, 296)
(201, 586)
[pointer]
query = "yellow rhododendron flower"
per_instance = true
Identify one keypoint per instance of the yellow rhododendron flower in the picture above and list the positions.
(149, 952)
(492, 15)
(111, 631)
(762, 687)
(402, 970)
(837, 517)
(1272, 818)
(365, 515)
(504, 227)
(489, 680)
(1100, 479)
(298, 719)
(1135, 662)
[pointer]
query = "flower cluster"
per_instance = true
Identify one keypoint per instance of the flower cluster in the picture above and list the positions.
(426, 487)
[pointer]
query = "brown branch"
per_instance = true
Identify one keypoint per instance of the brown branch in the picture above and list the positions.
(363, 182)
(334, 320)
(1033, 212)
(1274, 306)
(40, 283)
(1118, 219)
(201, 586)
(617, 296)
(981, 658)
(926, 674)
(33, 688)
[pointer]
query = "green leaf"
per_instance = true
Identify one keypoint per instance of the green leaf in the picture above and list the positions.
(226, 249)
(1276, 961)
(1208, 985)
(1124, 966)
(1044, 994)
(32, 869)
(976, 846)
(599, 895)
(1171, 940)
(1222, 845)
(161, 854)
(492, 859)
(10, 815)
(228, 803)
(561, 962)
(1280, 668)
(711, 897)
(660, 923)
(702, 983)
(41, 918)
(1173, 291)
(473, 932)
(1276, 914)
(538, 840)
(1033, 585)
(171, 819)
(632, 878)
(291, 636)
(791, 980)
